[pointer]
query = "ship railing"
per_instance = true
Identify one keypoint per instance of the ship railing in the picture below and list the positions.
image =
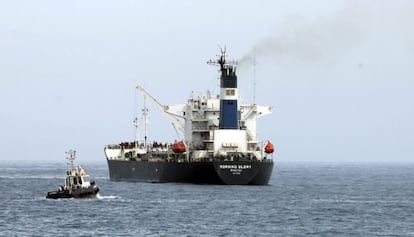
(113, 146)
(200, 127)
(198, 115)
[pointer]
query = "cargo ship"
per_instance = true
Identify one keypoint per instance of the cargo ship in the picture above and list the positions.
(220, 144)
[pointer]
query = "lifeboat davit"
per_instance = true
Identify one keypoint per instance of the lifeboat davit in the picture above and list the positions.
(269, 148)
(179, 147)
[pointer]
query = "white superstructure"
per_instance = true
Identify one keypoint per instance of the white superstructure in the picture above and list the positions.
(202, 133)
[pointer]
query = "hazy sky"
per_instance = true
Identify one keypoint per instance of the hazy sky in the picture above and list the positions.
(339, 74)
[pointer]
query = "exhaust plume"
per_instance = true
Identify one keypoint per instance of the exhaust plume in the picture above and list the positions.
(325, 38)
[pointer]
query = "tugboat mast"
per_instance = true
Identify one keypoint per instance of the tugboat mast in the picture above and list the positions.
(71, 157)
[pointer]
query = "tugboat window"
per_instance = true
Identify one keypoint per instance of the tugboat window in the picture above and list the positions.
(80, 180)
(75, 181)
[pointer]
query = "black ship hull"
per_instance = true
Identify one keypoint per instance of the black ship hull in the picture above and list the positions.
(215, 172)
(89, 192)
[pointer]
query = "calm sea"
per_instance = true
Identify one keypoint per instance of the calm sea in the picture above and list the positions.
(301, 200)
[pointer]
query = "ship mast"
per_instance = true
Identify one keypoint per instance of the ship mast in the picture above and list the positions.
(136, 132)
(222, 62)
(254, 77)
(145, 115)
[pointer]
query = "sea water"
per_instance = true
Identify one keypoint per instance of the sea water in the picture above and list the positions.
(311, 199)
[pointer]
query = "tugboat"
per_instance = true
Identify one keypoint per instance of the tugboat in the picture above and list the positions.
(77, 182)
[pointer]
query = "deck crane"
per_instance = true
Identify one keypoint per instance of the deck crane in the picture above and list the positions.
(171, 116)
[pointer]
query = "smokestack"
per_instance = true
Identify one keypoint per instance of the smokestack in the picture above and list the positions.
(229, 108)
(228, 98)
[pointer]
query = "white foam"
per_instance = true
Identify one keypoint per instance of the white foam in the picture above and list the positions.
(107, 197)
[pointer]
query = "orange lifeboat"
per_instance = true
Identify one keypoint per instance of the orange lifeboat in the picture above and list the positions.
(178, 147)
(269, 148)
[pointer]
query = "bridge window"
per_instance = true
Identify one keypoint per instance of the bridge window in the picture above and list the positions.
(85, 179)
(230, 92)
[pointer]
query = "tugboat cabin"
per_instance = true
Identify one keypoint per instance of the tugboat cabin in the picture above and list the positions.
(77, 178)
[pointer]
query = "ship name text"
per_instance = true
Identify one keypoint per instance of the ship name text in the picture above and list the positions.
(243, 167)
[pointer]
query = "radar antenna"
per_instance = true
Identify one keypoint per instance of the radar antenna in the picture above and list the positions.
(221, 61)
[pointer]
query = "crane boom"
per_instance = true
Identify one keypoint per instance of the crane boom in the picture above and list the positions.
(172, 117)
